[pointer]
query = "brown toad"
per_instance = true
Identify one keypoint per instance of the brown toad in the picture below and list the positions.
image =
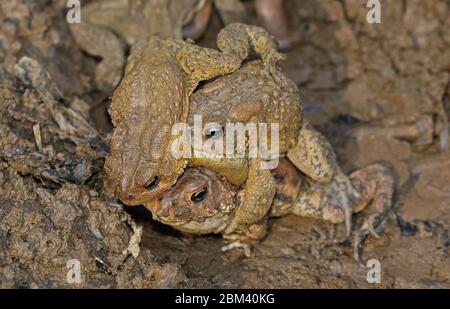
(108, 25)
(204, 202)
(154, 94)
(246, 96)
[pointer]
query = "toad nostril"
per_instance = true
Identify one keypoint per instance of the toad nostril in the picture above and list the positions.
(131, 196)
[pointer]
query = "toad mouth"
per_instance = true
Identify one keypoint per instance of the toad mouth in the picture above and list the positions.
(170, 222)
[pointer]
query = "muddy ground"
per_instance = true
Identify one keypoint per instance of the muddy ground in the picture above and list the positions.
(355, 79)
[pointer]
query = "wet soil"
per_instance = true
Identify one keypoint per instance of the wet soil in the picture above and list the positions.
(353, 77)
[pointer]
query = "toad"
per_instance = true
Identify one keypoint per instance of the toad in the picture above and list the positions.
(246, 96)
(108, 26)
(154, 94)
(204, 202)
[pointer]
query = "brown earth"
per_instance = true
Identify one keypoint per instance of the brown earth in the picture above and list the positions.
(356, 80)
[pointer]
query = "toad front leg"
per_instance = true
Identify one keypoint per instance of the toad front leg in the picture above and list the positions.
(239, 38)
(235, 42)
(101, 42)
(257, 197)
(243, 239)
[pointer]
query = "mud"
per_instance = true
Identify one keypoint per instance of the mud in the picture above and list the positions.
(52, 209)
(356, 80)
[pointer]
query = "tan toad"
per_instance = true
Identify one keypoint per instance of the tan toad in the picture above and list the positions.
(203, 202)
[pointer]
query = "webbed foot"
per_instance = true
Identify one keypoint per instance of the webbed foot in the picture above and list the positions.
(237, 241)
(238, 245)
(239, 39)
(375, 183)
(271, 58)
(337, 201)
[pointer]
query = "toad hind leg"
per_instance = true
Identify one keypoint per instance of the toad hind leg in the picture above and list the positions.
(240, 38)
(100, 42)
(375, 187)
(314, 156)
(235, 41)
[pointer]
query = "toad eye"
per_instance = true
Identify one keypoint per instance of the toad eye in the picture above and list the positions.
(199, 196)
(153, 183)
(213, 130)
